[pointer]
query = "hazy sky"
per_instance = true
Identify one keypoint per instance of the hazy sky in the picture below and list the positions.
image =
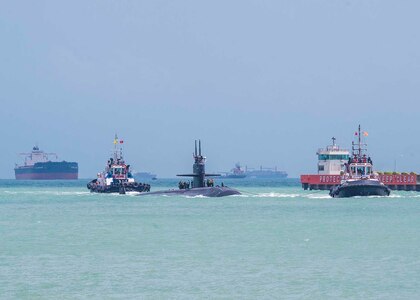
(260, 82)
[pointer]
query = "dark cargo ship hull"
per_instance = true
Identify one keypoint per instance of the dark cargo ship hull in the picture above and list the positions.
(48, 171)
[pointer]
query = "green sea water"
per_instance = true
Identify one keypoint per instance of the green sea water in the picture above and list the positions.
(276, 241)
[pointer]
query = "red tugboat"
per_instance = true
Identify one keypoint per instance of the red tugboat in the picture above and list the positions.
(117, 177)
(359, 178)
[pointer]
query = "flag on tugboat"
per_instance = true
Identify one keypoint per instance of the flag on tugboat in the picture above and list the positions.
(365, 133)
(356, 133)
(115, 141)
(121, 142)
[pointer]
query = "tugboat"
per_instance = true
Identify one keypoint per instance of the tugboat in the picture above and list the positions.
(117, 177)
(359, 178)
(202, 183)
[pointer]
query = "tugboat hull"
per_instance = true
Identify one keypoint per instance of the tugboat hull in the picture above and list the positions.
(118, 188)
(360, 188)
(204, 191)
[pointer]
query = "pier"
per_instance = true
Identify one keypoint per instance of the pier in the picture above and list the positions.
(394, 180)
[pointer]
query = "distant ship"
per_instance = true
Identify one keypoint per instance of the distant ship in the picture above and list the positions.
(142, 176)
(236, 172)
(38, 165)
(265, 173)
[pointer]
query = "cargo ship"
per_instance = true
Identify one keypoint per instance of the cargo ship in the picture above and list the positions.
(235, 173)
(331, 167)
(265, 173)
(38, 166)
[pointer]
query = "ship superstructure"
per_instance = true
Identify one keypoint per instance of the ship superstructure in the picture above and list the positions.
(332, 159)
(39, 165)
(199, 169)
(236, 172)
(331, 165)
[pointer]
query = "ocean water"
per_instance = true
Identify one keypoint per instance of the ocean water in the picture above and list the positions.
(276, 241)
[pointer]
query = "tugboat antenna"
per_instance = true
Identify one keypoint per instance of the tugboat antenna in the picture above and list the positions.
(360, 144)
(115, 147)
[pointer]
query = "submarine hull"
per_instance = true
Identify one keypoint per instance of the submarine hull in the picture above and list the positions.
(204, 191)
(360, 188)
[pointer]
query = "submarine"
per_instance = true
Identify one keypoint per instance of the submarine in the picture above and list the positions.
(201, 185)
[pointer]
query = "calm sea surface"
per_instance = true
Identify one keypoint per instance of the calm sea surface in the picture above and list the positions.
(58, 241)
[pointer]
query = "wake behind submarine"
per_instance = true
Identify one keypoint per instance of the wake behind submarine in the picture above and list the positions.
(200, 186)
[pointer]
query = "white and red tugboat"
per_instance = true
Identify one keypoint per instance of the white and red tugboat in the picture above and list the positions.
(117, 177)
(359, 178)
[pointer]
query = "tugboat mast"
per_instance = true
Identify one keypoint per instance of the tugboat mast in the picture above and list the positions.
(117, 149)
(360, 143)
(357, 151)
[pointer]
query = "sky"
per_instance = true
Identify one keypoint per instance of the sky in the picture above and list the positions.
(259, 82)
